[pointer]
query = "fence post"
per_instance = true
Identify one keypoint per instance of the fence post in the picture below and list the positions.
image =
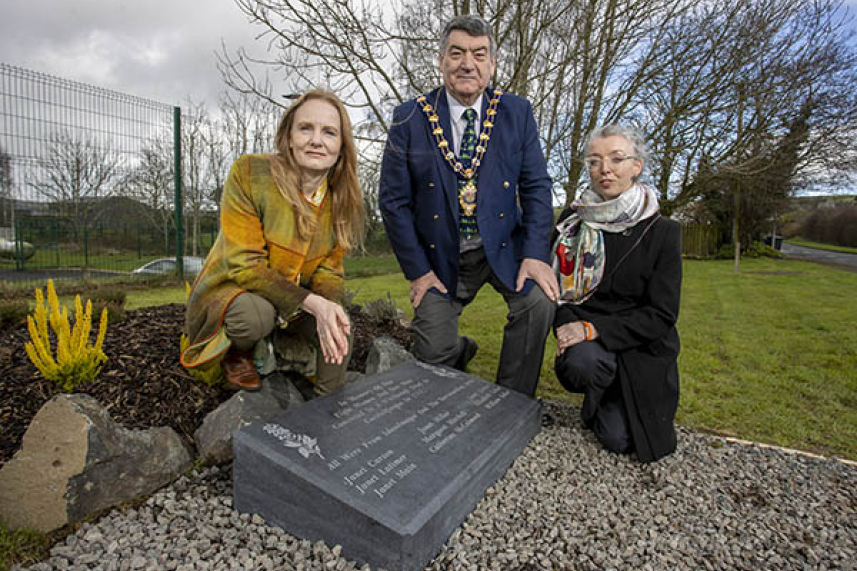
(177, 182)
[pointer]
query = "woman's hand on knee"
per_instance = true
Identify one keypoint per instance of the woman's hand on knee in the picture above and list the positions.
(332, 325)
(573, 333)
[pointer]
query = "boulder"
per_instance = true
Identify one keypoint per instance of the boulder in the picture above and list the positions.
(354, 376)
(75, 461)
(214, 438)
(384, 354)
(294, 353)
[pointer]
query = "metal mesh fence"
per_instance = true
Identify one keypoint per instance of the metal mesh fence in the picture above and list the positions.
(86, 178)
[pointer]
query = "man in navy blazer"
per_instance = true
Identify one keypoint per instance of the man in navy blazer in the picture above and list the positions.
(466, 199)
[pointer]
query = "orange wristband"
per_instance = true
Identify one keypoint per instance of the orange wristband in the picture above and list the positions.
(588, 333)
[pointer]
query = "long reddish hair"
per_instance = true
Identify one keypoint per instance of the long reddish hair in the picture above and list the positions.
(342, 180)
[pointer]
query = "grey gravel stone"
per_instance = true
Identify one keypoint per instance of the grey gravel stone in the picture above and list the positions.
(564, 504)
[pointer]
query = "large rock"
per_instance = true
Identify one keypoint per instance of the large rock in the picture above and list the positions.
(384, 354)
(76, 461)
(214, 437)
(294, 354)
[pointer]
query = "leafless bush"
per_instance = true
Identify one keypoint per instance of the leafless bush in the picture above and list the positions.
(836, 225)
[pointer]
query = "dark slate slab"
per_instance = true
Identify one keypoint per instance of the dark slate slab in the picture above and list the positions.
(387, 467)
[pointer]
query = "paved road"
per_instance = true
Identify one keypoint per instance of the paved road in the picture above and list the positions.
(823, 256)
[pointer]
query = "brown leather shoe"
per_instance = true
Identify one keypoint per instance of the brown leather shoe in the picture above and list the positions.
(241, 374)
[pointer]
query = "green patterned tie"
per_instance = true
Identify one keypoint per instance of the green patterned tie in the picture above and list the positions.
(467, 189)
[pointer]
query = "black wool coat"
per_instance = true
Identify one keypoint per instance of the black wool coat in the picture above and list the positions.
(635, 309)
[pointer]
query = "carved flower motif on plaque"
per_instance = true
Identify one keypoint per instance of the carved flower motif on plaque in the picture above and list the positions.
(305, 445)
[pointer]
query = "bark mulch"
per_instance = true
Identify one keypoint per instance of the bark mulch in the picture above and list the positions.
(142, 385)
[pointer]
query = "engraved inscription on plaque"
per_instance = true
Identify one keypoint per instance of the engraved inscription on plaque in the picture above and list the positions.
(407, 426)
(386, 467)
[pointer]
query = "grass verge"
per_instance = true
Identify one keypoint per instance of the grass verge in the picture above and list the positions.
(769, 354)
(21, 547)
(798, 241)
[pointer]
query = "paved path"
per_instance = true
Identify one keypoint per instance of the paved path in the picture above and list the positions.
(848, 261)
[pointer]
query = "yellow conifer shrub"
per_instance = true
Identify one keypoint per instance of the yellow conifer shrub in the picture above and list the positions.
(77, 361)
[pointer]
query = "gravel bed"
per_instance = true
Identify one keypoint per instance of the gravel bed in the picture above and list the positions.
(564, 504)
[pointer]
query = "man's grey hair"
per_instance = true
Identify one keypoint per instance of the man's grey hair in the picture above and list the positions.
(474, 25)
(631, 134)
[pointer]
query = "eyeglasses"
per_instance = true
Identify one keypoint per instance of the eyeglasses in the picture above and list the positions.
(594, 163)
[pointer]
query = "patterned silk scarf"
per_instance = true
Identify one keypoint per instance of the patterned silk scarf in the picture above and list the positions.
(318, 196)
(578, 259)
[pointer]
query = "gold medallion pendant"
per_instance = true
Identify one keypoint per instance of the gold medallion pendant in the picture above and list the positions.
(467, 198)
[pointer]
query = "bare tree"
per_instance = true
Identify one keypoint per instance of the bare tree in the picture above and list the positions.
(340, 44)
(196, 126)
(241, 124)
(74, 176)
(248, 122)
(579, 62)
(677, 68)
(755, 65)
(217, 151)
(151, 182)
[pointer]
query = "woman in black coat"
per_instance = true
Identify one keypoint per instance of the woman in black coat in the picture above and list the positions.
(618, 262)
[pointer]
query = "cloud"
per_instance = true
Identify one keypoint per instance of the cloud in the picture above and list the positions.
(159, 49)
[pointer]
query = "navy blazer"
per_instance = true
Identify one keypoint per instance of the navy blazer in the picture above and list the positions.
(418, 194)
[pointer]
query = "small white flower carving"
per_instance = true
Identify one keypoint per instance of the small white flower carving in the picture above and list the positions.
(305, 444)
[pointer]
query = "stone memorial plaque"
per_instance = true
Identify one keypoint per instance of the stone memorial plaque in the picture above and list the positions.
(387, 467)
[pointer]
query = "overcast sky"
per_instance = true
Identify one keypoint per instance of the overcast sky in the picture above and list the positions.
(156, 49)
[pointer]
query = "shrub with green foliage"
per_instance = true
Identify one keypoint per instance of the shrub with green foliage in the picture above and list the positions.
(382, 310)
(13, 312)
(115, 312)
(112, 299)
(754, 250)
(110, 294)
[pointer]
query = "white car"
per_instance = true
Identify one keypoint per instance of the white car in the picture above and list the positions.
(9, 249)
(166, 266)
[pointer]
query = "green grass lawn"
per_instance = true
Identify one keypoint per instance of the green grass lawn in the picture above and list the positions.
(798, 241)
(769, 354)
(360, 266)
(355, 265)
(120, 262)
